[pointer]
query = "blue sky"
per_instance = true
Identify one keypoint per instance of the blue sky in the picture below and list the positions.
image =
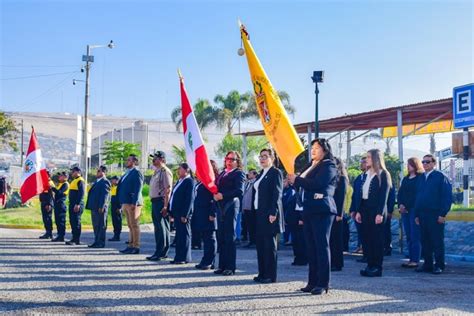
(374, 53)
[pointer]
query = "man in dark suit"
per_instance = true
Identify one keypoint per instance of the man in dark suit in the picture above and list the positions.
(77, 190)
(129, 191)
(181, 202)
(97, 202)
(433, 202)
(356, 197)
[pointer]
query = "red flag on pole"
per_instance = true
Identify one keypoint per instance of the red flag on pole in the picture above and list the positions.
(35, 178)
(196, 154)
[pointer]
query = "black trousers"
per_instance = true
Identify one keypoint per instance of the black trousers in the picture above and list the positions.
(99, 224)
(210, 247)
(116, 218)
(183, 241)
(346, 233)
(47, 219)
(299, 244)
(161, 228)
(226, 237)
(387, 245)
(250, 219)
(60, 211)
(336, 245)
(75, 222)
(266, 242)
(373, 237)
(317, 231)
(196, 238)
(432, 241)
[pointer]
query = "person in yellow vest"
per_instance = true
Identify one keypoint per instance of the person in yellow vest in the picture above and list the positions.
(116, 210)
(47, 203)
(76, 205)
(61, 192)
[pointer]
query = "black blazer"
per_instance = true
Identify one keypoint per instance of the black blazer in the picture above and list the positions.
(129, 189)
(203, 207)
(98, 196)
(340, 194)
(269, 197)
(378, 195)
(232, 185)
(319, 186)
(183, 199)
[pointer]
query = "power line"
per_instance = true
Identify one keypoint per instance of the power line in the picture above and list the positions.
(39, 66)
(39, 76)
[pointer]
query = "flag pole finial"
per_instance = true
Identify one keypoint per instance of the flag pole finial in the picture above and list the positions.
(179, 74)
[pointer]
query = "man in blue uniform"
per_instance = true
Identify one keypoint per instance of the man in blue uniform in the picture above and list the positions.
(433, 202)
(76, 205)
(61, 192)
(47, 204)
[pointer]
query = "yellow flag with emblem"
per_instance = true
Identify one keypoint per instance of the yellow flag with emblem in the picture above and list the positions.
(277, 126)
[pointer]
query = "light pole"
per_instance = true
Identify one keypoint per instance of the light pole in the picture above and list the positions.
(88, 58)
(318, 76)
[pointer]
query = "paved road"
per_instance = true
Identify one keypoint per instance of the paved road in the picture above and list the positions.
(43, 277)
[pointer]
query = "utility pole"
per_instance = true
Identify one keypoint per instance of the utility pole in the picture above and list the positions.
(88, 59)
(21, 144)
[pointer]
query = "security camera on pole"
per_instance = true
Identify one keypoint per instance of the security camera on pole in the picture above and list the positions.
(88, 58)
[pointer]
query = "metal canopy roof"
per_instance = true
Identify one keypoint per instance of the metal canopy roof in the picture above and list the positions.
(417, 113)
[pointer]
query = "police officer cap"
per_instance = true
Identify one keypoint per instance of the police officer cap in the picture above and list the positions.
(76, 169)
(158, 154)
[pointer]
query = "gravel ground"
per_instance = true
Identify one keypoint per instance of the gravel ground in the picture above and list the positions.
(42, 277)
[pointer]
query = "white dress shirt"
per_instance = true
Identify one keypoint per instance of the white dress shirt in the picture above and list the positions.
(366, 186)
(256, 185)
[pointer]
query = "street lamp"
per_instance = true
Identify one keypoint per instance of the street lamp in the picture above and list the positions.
(88, 58)
(318, 76)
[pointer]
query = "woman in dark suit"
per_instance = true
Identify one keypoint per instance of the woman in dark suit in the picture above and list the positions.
(267, 193)
(181, 202)
(231, 188)
(336, 240)
(318, 182)
(204, 221)
(373, 211)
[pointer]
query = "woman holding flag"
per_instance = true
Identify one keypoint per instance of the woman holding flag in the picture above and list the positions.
(230, 184)
(318, 182)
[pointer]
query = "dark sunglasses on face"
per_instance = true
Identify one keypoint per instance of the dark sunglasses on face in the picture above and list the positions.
(425, 162)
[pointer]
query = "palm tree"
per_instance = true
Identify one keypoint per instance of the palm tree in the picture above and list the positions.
(251, 110)
(230, 109)
(203, 111)
(379, 137)
(179, 153)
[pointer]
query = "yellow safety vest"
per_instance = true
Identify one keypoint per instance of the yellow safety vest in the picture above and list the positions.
(74, 183)
(113, 190)
(59, 186)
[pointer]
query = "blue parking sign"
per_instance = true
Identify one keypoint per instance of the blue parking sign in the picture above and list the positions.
(463, 107)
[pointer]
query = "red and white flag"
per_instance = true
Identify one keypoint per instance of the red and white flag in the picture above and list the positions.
(196, 154)
(35, 178)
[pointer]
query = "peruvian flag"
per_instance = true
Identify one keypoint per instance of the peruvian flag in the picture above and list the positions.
(34, 179)
(196, 154)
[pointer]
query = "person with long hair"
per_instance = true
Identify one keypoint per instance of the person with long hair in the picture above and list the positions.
(406, 203)
(181, 207)
(231, 188)
(204, 221)
(336, 240)
(372, 211)
(267, 193)
(318, 183)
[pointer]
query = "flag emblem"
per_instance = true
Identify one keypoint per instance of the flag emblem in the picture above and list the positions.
(29, 166)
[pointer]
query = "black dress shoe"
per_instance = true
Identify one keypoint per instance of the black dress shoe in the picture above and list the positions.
(228, 272)
(72, 242)
(134, 251)
(91, 246)
(98, 246)
(257, 279)
(204, 267)
(374, 272)
(153, 258)
(163, 257)
(363, 272)
(114, 239)
(177, 262)
(307, 289)
(218, 271)
(58, 239)
(422, 268)
(319, 290)
(46, 236)
(437, 271)
(126, 250)
(266, 281)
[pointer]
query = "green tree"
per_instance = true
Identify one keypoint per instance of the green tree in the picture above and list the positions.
(234, 143)
(116, 152)
(230, 109)
(8, 132)
(393, 166)
(204, 112)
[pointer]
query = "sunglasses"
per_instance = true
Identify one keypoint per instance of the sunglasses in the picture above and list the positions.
(425, 162)
(230, 159)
